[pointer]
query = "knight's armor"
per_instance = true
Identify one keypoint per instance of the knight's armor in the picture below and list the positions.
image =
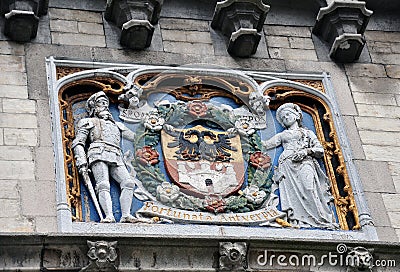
(104, 139)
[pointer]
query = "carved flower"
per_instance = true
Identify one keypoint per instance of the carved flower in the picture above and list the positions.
(259, 160)
(253, 194)
(102, 251)
(197, 109)
(215, 205)
(167, 192)
(154, 122)
(147, 155)
(244, 127)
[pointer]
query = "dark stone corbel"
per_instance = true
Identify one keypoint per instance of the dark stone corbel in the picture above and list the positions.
(342, 24)
(242, 22)
(102, 256)
(22, 18)
(136, 18)
(233, 256)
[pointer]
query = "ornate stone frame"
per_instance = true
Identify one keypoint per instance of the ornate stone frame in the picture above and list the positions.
(321, 90)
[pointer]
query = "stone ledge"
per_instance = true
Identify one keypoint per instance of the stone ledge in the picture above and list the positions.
(151, 253)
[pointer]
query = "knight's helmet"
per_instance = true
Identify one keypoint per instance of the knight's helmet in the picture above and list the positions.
(91, 102)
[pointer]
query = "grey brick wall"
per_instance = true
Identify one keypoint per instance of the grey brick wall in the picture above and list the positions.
(368, 94)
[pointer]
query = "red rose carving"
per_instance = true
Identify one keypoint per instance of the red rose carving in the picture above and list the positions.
(215, 205)
(197, 108)
(147, 155)
(259, 160)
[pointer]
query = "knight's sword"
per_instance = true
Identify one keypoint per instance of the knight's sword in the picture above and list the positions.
(88, 184)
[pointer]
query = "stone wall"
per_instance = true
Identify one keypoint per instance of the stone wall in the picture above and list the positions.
(368, 93)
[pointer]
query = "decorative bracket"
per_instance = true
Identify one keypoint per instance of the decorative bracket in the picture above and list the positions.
(22, 18)
(242, 22)
(136, 18)
(233, 256)
(342, 24)
(102, 256)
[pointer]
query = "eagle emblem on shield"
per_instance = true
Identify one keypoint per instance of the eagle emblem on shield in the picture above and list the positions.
(202, 161)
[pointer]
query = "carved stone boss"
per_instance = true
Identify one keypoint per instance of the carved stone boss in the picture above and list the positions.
(22, 18)
(136, 18)
(205, 162)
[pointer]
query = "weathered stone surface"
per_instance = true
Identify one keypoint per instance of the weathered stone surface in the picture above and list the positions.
(188, 48)
(293, 54)
(17, 170)
(378, 111)
(288, 31)
(186, 36)
(44, 125)
(13, 91)
(365, 70)
(395, 47)
(37, 53)
(64, 26)
(378, 85)
(19, 106)
(380, 138)
(10, 63)
(374, 98)
(381, 153)
(78, 39)
(342, 90)
(18, 120)
(380, 124)
(20, 136)
(384, 58)
(9, 208)
(43, 34)
(17, 224)
(184, 24)
(46, 224)
(387, 234)
(1, 136)
(380, 47)
(301, 43)
(382, 36)
(378, 210)
(13, 78)
(90, 28)
(278, 41)
(44, 170)
(393, 71)
(394, 169)
(395, 219)
(15, 153)
(354, 137)
(31, 192)
(75, 15)
(11, 48)
(92, 5)
(9, 190)
(372, 171)
(392, 202)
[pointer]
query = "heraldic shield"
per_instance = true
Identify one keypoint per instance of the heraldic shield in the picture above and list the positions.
(203, 162)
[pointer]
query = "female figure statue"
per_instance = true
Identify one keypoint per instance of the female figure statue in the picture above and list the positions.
(303, 186)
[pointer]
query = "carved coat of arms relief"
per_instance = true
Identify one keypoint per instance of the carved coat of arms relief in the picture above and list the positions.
(203, 152)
